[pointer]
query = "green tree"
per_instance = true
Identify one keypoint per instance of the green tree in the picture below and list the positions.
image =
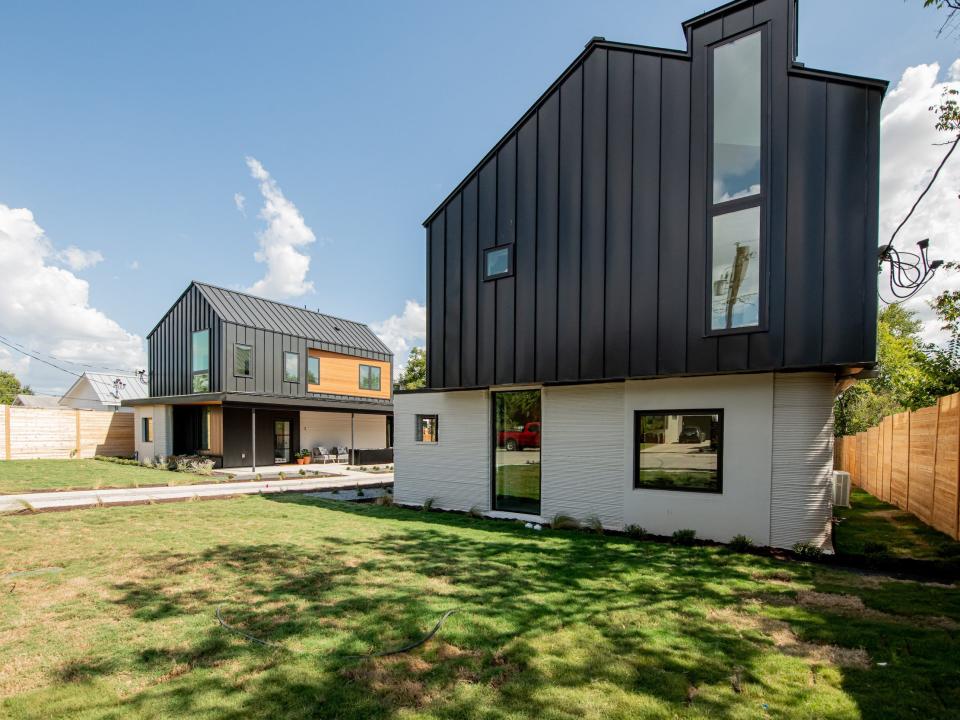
(10, 387)
(414, 373)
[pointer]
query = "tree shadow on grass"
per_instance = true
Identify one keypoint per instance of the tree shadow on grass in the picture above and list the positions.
(549, 625)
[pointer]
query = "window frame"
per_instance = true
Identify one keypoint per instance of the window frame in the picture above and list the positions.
(249, 348)
(498, 276)
(146, 429)
(637, 414)
(715, 209)
(379, 370)
(312, 359)
(286, 378)
(193, 372)
(418, 426)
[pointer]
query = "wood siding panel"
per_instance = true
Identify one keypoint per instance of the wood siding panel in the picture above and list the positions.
(946, 491)
(923, 437)
(340, 375)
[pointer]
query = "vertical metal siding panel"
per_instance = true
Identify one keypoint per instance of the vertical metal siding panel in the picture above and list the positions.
(526, 253)
(802, 472)
(437, 299)
(471, 274)
(674, 216)
(871, 232)
(593, 193)
(486, 295)
(583, 425)
(766, 349)
(803, 305)
(645, 222)
(619, 151)
(264, 368)
(548, 178)
(452, 286)
(737, 21)
(429, 313)
(843, 286)
(231, 343)
(455, 471)
(568, 268)
(702, 352)
(506, 235)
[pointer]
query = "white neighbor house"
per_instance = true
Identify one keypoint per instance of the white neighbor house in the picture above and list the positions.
(104, 391)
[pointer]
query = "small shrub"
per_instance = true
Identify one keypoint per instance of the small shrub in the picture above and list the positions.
(740, 543)
(808, 551)
(283, 475)
(385, 500)
(359, 491)
(594, 524)
(564, 522)
(636, 532)
(428, 504)
(230, 476)
(302, 471)
(685, 536)
(259, 477)
(476, 512)
(376, 467)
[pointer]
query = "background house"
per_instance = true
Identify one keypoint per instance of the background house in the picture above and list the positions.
(667, 239)
(250, 382)
(36, 401)
(104, 391)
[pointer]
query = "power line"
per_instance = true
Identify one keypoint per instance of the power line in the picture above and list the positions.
(99, 368)
(38, 359)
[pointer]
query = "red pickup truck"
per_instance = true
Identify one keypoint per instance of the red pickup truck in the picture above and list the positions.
(528, 437)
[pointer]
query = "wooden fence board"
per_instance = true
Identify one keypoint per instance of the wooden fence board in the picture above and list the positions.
(947, 471)
(62, 433)
(886, 458)
(873, 451)
(900, 460)
(923, 454)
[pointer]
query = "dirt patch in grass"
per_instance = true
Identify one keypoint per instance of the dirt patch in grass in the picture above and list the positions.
(788, 643)
(399, 680)
(852, 606)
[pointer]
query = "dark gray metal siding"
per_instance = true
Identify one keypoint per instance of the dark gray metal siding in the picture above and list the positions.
(169, 346)
(603, 190)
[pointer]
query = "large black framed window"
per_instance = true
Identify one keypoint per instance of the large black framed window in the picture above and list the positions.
(678, 450)
(200, 361)
(738, 100)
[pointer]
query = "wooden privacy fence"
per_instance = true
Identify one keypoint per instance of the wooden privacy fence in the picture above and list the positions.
(29, 433)
(911, 460)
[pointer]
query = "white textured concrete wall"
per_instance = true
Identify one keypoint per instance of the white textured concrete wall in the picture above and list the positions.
(744, 505)
(455, 471)
(582, 452)
(802, 476)
(145, 450)
(326, 429)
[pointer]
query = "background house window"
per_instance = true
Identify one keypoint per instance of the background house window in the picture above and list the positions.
(427, 428)
(242, 360)
(200, 362)
(737, 193)
(369, 377)
(497, 262)
(146, 425)
(678, 450)
(313, 370)
(291, 367)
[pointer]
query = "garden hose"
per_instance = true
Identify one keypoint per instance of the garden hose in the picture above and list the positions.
(383, 653)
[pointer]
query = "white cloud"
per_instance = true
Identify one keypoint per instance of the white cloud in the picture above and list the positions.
(909, 154)
(135, 265)
(77, 259)
(286, 231)
(240, 202)
(401, 333)
(47, 308)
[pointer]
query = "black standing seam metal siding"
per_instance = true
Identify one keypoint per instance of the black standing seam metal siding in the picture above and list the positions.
(603, 189)
(169, 346)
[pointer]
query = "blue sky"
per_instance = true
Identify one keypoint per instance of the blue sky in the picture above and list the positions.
(126, 125)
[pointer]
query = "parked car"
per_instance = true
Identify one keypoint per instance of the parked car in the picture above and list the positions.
(691, 434)
(526, 437)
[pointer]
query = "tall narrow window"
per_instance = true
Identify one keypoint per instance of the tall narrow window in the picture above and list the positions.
(291, 367)
(241, 360)
(737, 194)
(147, 425)
(313, 370)
(200, 361)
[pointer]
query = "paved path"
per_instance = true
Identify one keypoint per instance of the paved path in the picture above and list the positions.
(345, 479)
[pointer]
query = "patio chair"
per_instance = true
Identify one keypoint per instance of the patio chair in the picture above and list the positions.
(319, 454)
(342, 454)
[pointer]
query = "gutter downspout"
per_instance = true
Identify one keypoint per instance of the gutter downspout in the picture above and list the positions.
(253, 437)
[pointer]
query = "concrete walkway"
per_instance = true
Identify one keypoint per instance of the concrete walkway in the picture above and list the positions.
(344, 480)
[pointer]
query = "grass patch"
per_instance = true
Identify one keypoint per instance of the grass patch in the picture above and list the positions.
(23, 476)
(550, 625)
(872, 527)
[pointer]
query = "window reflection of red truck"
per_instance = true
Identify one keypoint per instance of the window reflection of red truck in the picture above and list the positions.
(527, 437)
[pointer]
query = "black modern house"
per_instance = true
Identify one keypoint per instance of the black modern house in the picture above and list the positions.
(250, 382)
(663, 268)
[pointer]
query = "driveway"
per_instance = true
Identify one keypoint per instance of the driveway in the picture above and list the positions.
(344, 480)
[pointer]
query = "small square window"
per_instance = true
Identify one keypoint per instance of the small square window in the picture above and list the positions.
(291, 367)
(498, 262)
(678, 450)
(241, 360)
(427, 428)
(369, 377)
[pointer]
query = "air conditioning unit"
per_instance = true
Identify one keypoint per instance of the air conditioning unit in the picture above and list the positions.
(841, 488)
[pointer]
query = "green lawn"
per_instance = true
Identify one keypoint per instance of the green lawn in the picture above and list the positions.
(550, 625)
(871, 526)
(518, 488)
(20, 476)
(677, 479)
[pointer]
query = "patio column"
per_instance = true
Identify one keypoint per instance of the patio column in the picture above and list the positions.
(353, 452)
(253, 437)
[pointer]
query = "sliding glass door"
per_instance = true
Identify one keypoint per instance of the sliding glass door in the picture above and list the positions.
(516, 451)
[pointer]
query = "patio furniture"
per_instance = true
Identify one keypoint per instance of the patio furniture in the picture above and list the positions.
(321, 454)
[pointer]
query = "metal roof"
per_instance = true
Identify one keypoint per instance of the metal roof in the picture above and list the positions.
(36, 401)
(108, 391)
(243, 309)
